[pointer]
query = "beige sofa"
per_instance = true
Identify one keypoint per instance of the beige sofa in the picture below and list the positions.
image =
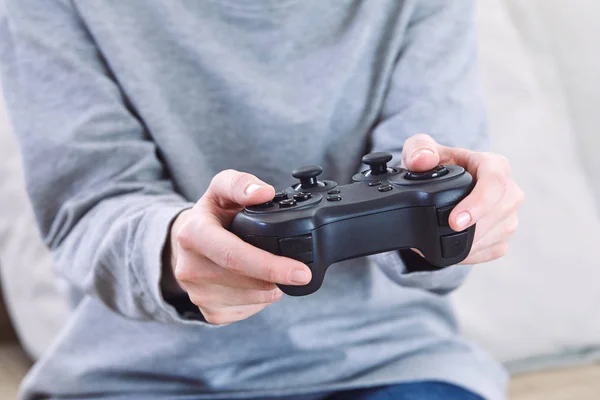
(13, 361)
(540, 63)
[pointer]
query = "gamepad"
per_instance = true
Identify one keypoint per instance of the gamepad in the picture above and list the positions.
(320, 223)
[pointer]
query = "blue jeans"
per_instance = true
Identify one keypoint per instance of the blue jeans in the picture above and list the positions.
(404, 391)
(409, 391)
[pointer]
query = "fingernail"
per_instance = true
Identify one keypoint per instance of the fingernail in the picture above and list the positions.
(463, 219)
(421, 151)
(253, 187)
(299, 276)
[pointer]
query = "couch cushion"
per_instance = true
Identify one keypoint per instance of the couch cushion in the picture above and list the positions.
(567, 34)
(539, 305)
(13, 366)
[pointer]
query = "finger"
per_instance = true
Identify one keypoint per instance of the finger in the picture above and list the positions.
(418, 252)
(505, 209)
(193, 268)
(500, 232)
(489, 222)
(234, 189)
(488, 254)
(216, 296)
(491, 172)
(230, 252)
(231, 314)
(420, 153)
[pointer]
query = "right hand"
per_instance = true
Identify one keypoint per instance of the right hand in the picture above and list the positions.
(228, 279)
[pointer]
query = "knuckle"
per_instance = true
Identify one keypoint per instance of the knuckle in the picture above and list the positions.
(204, 297)
(272, 274)
(204, 242)
(503, 163)
(422, 138)
(225, 184)
(270, 296)
(222, 176)
(499, 251)
(423, 141)
(240, 314)
(206, 275)
(185, 236)
(229, 260)
(238, 181)
(183, 273)
(499, 179)
(195, 299)
(264, 285)
(520, 196)
(196, 273)
(511, 227)
(217, 317)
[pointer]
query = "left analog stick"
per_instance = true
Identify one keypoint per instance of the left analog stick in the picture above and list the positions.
(377, 162)
(308, 175)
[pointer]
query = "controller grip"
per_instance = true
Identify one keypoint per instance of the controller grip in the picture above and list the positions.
(404, 228)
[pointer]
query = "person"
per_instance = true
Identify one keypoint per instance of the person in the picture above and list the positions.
(145, 126)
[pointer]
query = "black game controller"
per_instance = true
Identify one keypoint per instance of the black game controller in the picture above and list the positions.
(320, 223)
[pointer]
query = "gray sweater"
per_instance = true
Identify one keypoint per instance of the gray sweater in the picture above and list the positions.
(126, 109)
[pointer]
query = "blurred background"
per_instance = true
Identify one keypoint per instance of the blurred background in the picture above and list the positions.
(537, 309)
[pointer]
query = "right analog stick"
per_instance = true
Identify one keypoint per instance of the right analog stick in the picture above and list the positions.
(437, 172)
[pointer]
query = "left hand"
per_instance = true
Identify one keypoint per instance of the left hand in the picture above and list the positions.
(492, 204)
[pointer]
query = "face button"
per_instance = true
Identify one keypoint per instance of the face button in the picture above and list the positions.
(302, 196)
(334, 191)
(438, 171)
(280, 196)
(287, 203)
(334, 197)
(377, 183)
(385, 188)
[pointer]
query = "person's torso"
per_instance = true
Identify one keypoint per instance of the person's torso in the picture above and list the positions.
(258, 86)
(261, 87)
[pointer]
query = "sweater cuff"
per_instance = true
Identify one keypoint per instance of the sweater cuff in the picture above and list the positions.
(156, 231)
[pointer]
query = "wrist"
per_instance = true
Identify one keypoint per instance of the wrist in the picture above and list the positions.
(172, 244)
(170, 287)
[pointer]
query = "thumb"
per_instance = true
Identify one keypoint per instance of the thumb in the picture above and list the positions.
(234, 189)
(420, 153)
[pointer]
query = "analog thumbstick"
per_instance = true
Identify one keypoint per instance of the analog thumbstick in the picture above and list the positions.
(377, 162)
(308, 175)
